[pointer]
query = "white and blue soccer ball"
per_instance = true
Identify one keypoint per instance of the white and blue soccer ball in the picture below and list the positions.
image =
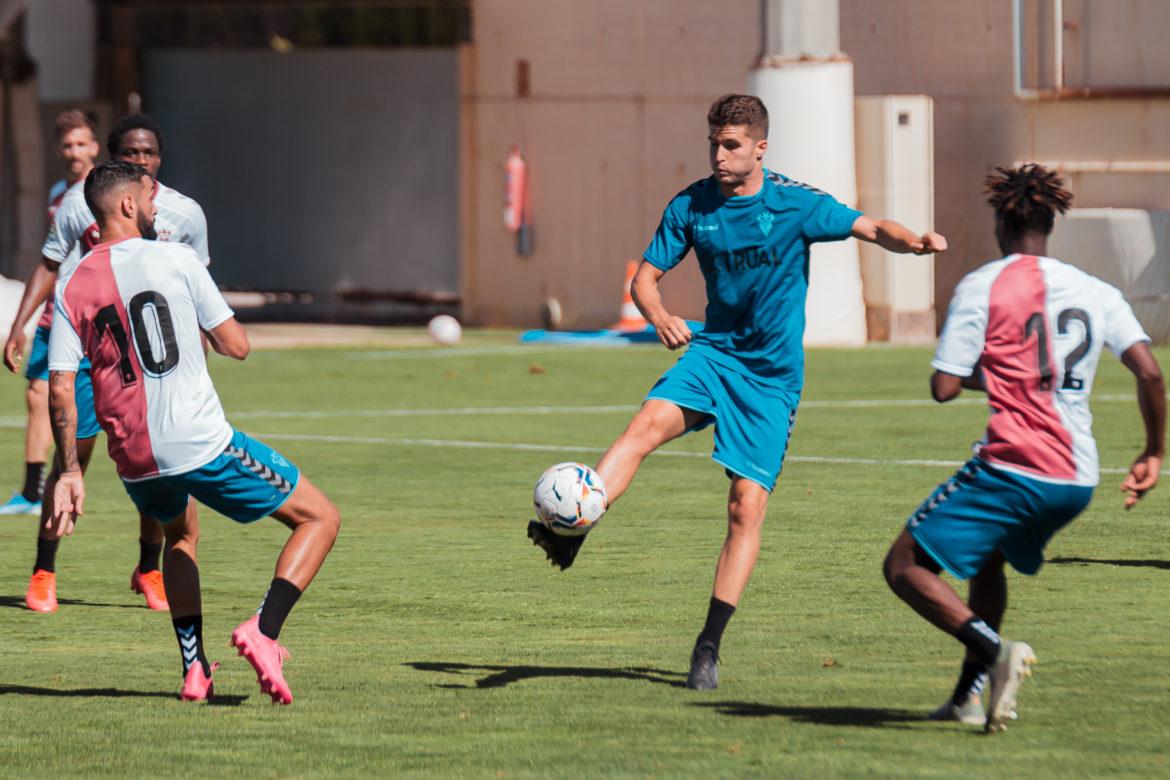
(570, 499)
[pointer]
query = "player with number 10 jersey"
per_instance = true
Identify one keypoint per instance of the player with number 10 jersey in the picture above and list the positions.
(140, 305)
(136, 308)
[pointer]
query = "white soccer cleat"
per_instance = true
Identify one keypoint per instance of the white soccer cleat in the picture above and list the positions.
(1011, 666)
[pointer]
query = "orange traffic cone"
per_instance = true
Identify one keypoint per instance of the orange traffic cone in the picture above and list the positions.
(632, 319)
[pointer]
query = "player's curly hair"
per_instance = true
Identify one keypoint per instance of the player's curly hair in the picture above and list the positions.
(128, 123)
(1027, 197)
(746, 110)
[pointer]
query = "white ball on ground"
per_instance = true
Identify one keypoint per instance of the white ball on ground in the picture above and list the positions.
(445, 329)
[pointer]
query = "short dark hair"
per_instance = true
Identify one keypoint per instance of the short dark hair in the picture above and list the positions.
(106, 178)
(73, 119)
(132, 122)
(746, 110)
(1027, 197)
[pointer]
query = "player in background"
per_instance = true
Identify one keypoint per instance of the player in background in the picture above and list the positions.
(1028, 330)
(136, 308)
(135, 138)
(77, 145)
(751, 229)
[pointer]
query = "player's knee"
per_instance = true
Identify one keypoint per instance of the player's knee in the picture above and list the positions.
(643, 432)
(330, 516)
(745, 514)
(36, 395)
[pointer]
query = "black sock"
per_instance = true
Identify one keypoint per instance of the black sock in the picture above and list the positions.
(718, 614)
(971, 681)
(279, 601)
(34, 481)
(980, 639)
(46, 555)
(148, 556)
(189, 632)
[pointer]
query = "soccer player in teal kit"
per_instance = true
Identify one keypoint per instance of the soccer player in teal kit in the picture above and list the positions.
(751, 229)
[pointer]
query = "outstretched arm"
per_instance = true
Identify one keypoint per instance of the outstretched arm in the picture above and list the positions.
(69, 494)
(37, 289)
(1151, 392)
(894, 237)
(672, 331)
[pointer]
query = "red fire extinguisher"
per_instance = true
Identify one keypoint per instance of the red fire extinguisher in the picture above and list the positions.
(515, 184)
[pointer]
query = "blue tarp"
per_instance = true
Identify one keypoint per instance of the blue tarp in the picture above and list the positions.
(606, 337)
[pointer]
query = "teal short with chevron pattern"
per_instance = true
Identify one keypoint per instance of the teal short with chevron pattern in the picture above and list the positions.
(247, 481)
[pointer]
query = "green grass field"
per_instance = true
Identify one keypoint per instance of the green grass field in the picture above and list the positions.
(437, 640)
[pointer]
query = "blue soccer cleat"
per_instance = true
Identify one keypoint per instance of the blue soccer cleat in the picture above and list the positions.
(19, 505)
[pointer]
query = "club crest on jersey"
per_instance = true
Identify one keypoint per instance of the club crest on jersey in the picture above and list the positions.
(765, 219)
(163, 235)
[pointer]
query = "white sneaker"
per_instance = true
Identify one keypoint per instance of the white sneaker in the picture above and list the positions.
(969, 712)
(1011, 666)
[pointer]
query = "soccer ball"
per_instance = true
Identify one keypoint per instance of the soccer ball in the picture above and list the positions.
(445, 329)
(570, 499)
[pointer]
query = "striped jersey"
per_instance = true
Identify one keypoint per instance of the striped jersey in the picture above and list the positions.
(135, 308)
(1035, 327)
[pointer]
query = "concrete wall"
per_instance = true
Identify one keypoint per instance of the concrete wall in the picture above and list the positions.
(61, 37)
(614, 125)
(960, 53)
(332, 171)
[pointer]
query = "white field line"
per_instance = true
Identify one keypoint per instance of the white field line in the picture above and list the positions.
(521, 447)
(438, 353)
(470, 411)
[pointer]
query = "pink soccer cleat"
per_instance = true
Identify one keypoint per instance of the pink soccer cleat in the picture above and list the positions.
(266, 657)
(197, 685)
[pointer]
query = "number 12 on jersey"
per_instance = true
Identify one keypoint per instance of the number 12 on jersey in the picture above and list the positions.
(1037, 325)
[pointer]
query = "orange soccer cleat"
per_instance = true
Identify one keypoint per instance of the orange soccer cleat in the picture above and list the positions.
(41, 595)
(151, 586)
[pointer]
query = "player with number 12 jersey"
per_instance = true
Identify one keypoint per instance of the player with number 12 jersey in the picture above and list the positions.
(1029, 330)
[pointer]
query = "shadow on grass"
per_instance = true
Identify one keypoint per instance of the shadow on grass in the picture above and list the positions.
(872, 717)
(499, 676)
(1148, 564)
(109, 693)
(17, 602)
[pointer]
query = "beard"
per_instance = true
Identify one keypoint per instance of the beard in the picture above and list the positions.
(146, 228)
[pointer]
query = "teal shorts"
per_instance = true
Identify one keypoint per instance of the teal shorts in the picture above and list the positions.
(87, 421)
(247, 481)
(753, 420)
(983, 510)
(37, 366)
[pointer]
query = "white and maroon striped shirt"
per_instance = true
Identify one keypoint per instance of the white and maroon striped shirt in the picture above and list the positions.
(1036, 327)
(135, 309)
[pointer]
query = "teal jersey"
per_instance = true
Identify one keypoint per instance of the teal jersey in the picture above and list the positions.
(753, 252)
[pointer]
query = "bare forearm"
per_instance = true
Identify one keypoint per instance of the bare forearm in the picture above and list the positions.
(1152, 402)
(63, 417)
(646, 297)
(895, 237)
